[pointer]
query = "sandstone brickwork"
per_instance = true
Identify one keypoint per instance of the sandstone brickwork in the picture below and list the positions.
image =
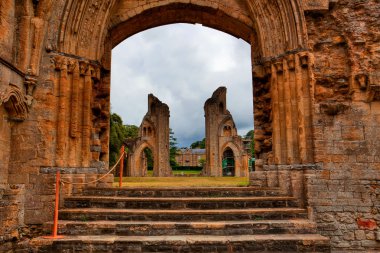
(221, 134)
(316, 94)
(154, 135)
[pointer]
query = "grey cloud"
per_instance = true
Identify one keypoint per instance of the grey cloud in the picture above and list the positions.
(182, 65)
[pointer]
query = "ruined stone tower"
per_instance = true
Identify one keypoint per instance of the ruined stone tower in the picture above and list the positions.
(221, 133)
(153, 134)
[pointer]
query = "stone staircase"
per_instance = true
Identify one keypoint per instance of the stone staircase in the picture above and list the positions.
(183, 220)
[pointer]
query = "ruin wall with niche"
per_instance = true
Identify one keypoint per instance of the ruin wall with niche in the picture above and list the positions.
(153, 134)
(221, 133)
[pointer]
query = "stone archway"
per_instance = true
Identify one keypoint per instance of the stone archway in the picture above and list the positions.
(281, 61)
(57, 53)
(228, 162)
(136, 161)
(65, 52)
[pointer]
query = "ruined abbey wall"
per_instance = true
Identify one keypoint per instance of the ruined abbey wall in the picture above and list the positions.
(221, 133)
(153, 134)
(322, 56)
(346, 121)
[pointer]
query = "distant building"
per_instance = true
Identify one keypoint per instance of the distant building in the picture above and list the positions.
(190, 157)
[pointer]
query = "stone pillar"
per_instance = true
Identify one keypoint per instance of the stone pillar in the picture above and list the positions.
(74, 100)
(61, 66)
(291, 109)
(292, 125)
(153, 134)
(86, 125)
(221, 133)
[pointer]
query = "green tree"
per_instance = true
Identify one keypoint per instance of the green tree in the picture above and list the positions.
(202, 162)
(149, 156)
(199, 144)
(118, 133)
(172, 148)
(132, 131)
(251, 135)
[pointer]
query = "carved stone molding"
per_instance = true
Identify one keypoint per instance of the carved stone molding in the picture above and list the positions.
(374, 88)
(30, 83)
(304, 59)
(291, 62)
(370, 85)
(15, 102)
(268, 68)
(60, 62)
(316, 5)
(362, 81)
(95, 72)
(83, 67)
(279, 66)
(71, 65)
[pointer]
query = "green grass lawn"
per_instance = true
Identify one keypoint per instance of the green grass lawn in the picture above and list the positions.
(180, 172)
(183, 182)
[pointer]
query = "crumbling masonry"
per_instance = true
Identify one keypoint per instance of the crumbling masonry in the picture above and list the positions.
(221, 134)
(153, 134)
(316, 95)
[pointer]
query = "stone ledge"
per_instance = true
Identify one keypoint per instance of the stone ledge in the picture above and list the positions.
(68, 170)
(316, 5)
(292, 167)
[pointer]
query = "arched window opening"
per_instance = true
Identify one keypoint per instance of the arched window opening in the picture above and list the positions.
(147, 162)
(227, 131)
(228, 163)
(221, 108)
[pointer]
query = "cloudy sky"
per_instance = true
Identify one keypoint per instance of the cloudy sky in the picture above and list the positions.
(182, 65)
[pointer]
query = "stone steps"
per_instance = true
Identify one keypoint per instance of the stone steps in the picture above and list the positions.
(89, 214)
(178, 203)
(154, 228)
(184, 192)
(186, 243)
(227, 219)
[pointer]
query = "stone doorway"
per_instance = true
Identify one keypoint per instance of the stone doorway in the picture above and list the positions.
(66, 50)
(228, 163)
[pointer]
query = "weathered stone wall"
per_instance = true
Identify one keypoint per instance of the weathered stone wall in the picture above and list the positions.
(153, 134)
(346, 121)
(221, 134)
(5, 141)
(11, 215)
(339, 63)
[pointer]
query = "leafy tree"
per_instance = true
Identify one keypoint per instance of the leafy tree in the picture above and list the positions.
(118, 133)
(131, 131)
(202, 162)
(251, 135)
(149, 156)
(199, 144)
(172, 148)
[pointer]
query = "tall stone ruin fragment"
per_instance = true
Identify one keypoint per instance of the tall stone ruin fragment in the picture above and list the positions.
(221, 134)
(153, 134)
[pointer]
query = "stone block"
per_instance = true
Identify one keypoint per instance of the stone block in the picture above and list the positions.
(353, 133)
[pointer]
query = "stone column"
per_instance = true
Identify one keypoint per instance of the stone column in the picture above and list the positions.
(86, 128)
(290, 92)
(292, 125)
(74, 101)
(304, 108)
(276, 117)
(61, 65)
